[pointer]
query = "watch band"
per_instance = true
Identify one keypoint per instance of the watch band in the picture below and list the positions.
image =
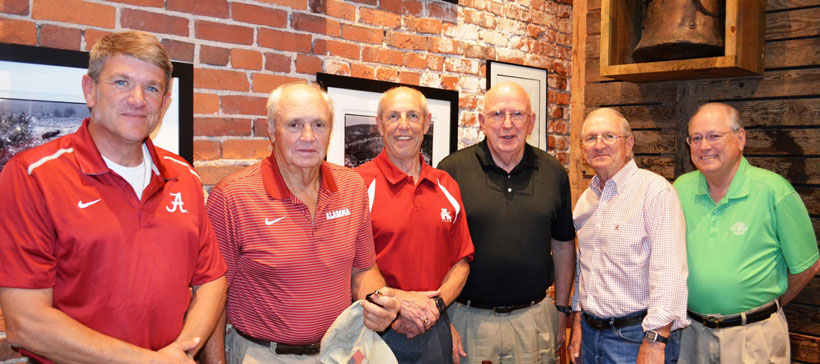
(654, 336)
(564, 309)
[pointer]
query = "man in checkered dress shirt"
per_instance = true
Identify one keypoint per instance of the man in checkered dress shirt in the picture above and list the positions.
(631, 286)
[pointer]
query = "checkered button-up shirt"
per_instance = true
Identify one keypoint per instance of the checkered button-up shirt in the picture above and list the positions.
(631, 249)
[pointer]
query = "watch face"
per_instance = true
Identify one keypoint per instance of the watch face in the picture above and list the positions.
(654, 336)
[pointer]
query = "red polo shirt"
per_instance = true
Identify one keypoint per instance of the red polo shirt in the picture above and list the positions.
(420, 230)
(119, 265)
(289, 276)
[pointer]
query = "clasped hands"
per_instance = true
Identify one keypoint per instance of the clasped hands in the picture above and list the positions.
(418, 314)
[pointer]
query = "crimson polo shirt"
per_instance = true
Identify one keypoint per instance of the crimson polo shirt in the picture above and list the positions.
(119, 265)
(421, 224)
(289, 275)
(512, 217)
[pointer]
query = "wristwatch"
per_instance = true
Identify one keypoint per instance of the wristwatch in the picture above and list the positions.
(564, 309)
(654, 336)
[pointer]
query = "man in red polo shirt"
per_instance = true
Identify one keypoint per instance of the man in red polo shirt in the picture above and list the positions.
(295, 233)
(103, 235)
(423, 245)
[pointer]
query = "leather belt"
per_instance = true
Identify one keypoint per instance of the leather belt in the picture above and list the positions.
(614, 323)
(501, 309)
(283, 349)
(722, 321)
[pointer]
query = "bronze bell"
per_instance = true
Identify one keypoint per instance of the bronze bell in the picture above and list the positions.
(678, 29)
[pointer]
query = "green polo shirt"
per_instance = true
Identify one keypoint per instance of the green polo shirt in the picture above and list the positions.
(742, 249)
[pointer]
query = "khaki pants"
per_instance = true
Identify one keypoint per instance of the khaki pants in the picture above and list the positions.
(522, 336)
(764, 341)
(244, 351)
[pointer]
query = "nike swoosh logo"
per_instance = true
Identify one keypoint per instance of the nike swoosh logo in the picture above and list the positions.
(83, 205)
(271, 222)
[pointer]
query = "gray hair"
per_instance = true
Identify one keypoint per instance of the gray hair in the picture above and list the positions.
(624, 123)
(382, 100)
(732, 115)
(276, 96)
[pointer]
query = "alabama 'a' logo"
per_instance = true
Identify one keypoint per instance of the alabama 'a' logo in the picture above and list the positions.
(177, 203)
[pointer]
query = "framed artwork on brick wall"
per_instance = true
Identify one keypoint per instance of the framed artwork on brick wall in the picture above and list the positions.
(355, 139)
(41, 99)
(534, 81)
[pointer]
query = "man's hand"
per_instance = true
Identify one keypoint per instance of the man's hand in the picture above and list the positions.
(405, 327)
(177, 352)
(458, 349)
(419, 307)
(560, 339)
(651, 353)
(574, 348)
(379, 318)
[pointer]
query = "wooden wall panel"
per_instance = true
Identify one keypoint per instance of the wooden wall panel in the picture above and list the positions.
(780, 111)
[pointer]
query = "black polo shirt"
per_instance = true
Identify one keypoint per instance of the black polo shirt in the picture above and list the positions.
(512, 218)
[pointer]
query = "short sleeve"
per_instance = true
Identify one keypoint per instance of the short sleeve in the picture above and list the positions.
(795, 233)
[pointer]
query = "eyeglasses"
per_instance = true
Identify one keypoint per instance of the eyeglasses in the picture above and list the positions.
(712, 138)
(517, 116)
(608, 139)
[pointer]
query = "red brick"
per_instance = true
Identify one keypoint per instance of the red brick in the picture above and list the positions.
(260, 127)
(562, 157)
(264, 83)
(382, 55)
(415, 60)
(214, 55)
(53, 36)
(336, 67)
(444, 11)
(563, 99)
(214, 8)
(222, 127)
(468, 119)
(16, 7)
(467, 101)
(338, 9)
(146, 3)
(206, 150)
(308, 64)
(368, 2)
(391, 5)
(179, 51)
(434, 62)
(362, 34)
(449, 82)
(206, 103)
(218, 79)
(409, 78)
(246, 59)
(284, 41)
(362, 71)
(211, 175)
(92, 36)
(153, 22)
(18, 31)
(411, 7)
(424, 25)
(387, 74)
(276, 62)
(293, 4)
(550, 141)
(462, 65)
(219, 32)
(336, 48)
(380, 18)
(247, 13)
(444, 45)
(315, 24)
(559, 68)
(75, 12)
(243, 105)
(557, 113)
(406, 41)
(246, 148)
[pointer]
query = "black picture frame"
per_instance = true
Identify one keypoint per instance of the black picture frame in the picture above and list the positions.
(349, 93)
(536, 82)
(182, 77)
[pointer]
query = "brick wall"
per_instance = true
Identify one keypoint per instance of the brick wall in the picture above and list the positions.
(241, 50)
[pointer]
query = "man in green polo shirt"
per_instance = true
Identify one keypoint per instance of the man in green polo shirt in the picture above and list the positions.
(750, 244)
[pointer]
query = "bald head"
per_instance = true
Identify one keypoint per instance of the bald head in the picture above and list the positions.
(506, 89)
(401, 90)
(609, 114)
(720, 110)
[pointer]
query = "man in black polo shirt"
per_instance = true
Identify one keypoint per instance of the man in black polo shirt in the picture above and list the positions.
(517, 201)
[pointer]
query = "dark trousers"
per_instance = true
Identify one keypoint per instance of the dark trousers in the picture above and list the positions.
(433, 346)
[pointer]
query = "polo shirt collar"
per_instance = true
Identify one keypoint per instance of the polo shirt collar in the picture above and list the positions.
(394, 175)
(617, 180)
(275, 185)
(740, 186)
(485, 157)
(91, 161)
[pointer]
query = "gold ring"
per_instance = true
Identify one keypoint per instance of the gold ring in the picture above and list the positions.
(425, 321)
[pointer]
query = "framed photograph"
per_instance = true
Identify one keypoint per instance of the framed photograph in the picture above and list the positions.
(355, 139)
(534, 81)
(41, 99)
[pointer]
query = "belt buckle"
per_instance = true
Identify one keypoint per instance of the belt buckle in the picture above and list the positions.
(503, 309)
(714, 320)
(311, 349)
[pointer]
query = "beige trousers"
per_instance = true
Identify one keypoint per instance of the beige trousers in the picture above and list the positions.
(764, 341)
(522, 336)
